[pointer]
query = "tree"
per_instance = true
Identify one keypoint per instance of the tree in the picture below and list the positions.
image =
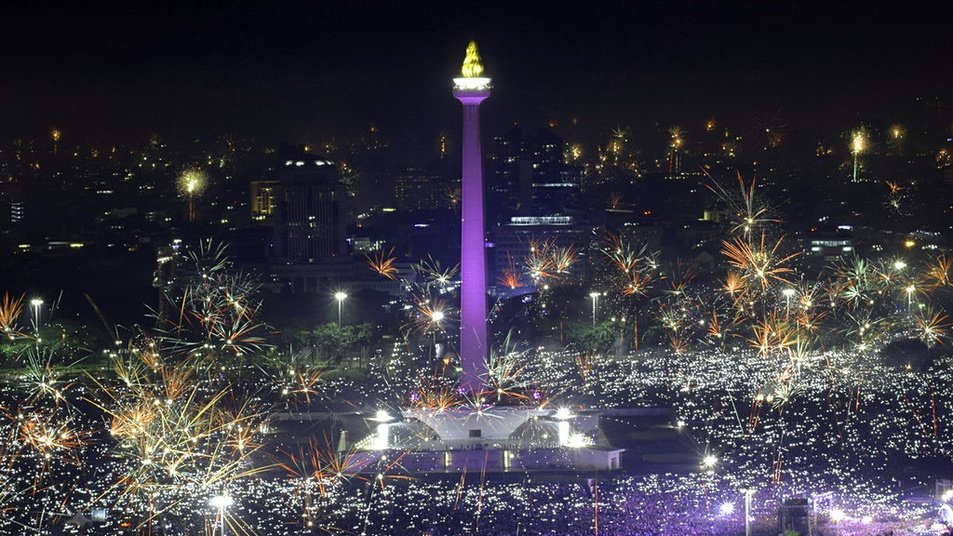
(594, 338)
(332, 341)
(364, 337)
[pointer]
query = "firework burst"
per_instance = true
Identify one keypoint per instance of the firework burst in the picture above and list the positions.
(10, 309)
(750, 212)
(758, 262)
(511, 277)
(435, 276)
(934, 325)
(216, 309)
(938, 272)
(383, 264)
(191, 185)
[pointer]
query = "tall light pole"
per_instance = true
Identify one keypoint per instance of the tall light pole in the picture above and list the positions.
(595, 300)
(748, 493)
(436, 318)
(36, 303)
(221, 502)
(788, 293)
(340, 296)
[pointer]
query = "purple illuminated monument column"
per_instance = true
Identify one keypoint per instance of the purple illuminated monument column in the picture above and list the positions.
(471, 89)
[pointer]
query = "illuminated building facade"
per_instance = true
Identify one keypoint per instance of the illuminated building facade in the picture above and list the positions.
(422, 189)
(263, 201)
(530, 176)
(829, 243)
(308, 222)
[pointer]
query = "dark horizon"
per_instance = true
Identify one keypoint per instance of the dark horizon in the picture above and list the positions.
(309, 72)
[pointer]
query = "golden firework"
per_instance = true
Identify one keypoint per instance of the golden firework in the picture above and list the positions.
(383, 264)
(758, 262)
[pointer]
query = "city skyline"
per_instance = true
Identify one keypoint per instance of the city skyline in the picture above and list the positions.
(108, 73)
(292, 270)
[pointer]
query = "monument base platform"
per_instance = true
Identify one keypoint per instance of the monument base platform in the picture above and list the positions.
(497, 439)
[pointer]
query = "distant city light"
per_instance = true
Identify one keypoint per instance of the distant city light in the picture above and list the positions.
(766, 330)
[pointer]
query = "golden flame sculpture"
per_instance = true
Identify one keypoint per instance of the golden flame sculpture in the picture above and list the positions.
(472, 67)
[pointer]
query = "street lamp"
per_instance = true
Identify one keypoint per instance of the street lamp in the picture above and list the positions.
(221, 502)
(436, 317)
(788, 293)
(748, 493)
(36, 303)
(595, 300)
(340, 296)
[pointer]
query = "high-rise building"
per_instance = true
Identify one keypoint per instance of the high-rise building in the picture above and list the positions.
(555, 185)
(506, 159)
(418, 189)
(530, 176)
(308, 225)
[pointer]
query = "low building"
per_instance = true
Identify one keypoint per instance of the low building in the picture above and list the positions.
(829, 243)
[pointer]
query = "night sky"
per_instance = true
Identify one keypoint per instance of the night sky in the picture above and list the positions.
(299, 72)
